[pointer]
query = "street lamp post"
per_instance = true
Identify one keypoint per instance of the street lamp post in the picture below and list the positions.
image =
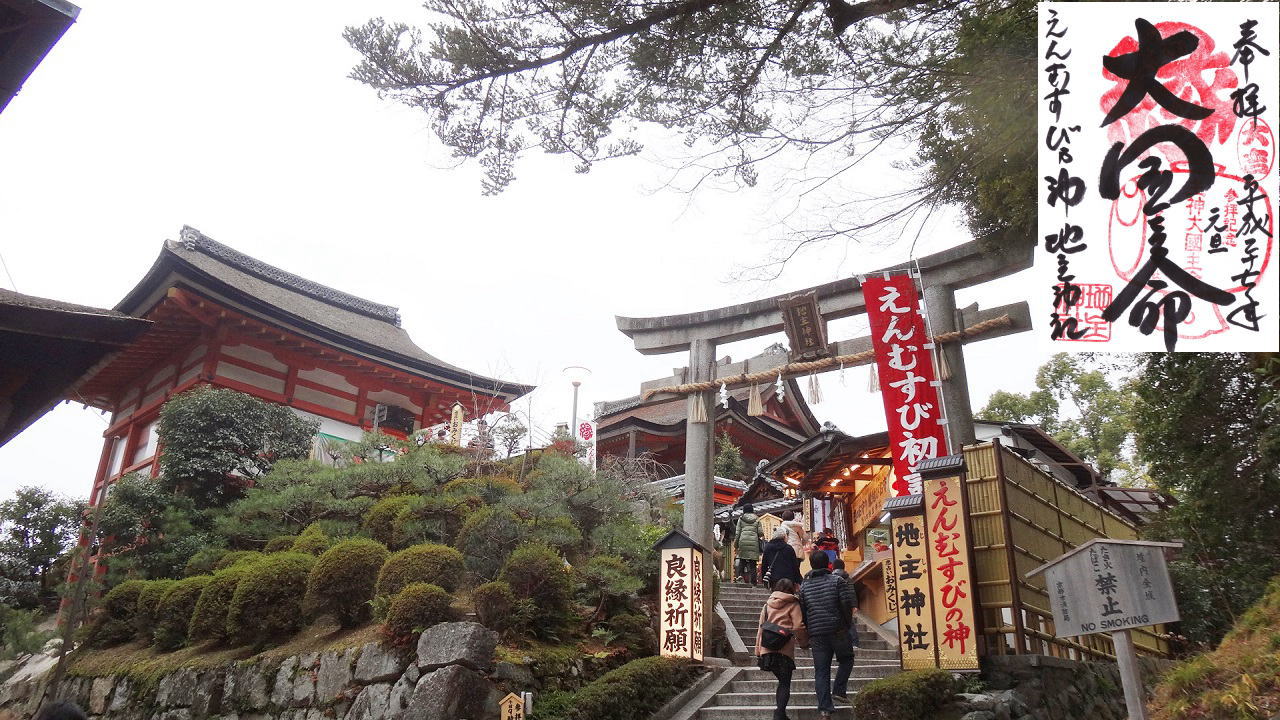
(575, 374)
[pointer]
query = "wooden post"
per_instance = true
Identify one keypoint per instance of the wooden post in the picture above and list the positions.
(1130, 674)
(940, 304)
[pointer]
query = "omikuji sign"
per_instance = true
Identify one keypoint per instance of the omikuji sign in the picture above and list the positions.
(680, 592)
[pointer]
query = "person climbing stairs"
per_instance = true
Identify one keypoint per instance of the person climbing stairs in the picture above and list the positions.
(749, 695)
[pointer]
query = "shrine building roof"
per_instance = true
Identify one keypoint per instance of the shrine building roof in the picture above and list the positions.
(232, 279)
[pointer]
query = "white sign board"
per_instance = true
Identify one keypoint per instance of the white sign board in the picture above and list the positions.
(1110, 585)
(1157, 176)
(680, 593)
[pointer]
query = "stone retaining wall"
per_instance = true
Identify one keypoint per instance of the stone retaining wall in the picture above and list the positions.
(1039, 687)
(449, 677)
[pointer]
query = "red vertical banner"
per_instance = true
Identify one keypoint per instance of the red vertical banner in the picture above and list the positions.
(908, 382)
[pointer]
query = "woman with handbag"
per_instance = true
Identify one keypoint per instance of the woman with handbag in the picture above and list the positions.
(781, 628)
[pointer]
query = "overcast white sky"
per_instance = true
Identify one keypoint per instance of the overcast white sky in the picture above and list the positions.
(237, 118)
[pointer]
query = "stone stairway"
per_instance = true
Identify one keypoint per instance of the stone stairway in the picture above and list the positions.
(749, 696)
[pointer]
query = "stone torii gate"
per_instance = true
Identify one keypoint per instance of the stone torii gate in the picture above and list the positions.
(700, 332)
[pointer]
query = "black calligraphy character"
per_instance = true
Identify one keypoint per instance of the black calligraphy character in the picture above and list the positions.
(1055, 96)
(1252, 222)
(1154, 181)
(1246, 45)
(1065, 187)
(909, 569)
(1215, 231)
(1175, 304)
(908, 535)
(1107, 584)
(1244, 102)
(915, 638)
(1111, 607)
(1141, 66)
(912, 600)
(1060, 144)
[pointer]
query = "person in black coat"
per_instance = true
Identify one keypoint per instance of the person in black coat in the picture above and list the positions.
(779, 560)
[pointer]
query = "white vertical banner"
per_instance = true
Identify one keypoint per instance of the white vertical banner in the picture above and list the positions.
(585, 434)
(1157, 176)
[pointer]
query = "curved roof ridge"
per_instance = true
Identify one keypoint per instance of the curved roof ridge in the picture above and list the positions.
(194, 240)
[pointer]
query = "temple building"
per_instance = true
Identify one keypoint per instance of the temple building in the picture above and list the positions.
(628, 428)
(219, 317)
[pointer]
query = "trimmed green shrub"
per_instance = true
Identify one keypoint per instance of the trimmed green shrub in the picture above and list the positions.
(494, 603)
(632, 692)
(439, 565)
(342, 581)
(209, 621)
(176, 608)
(280, 543)
(267, 602)
(312, 541)
(414, 609)
(114, 622)
(537, 574)
(235, 557)
(635, 632)
(905, 696)
(379, 520)
(203, 561)
(487, 538)
(144, 614)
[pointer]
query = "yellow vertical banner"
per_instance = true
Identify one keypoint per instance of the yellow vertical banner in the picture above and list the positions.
(950, 573)
(890, 585)
(911, 582)
(455, 425)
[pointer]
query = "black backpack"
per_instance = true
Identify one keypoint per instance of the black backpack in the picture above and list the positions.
(775, 637)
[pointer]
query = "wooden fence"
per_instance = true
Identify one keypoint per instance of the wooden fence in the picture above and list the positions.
(1022, 518)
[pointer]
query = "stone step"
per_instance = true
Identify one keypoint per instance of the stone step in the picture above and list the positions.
(797, 684)
(881, 656)
(805, 672)
(795, 711)
(799, 698)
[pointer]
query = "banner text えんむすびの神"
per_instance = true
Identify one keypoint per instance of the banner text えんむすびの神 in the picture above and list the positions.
(1157, 176)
